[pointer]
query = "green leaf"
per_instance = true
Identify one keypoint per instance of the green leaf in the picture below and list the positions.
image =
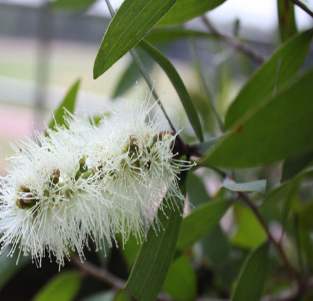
(131, 23)
(185, 10)
(180, 281)
(196, 190)
(281, 127)
(216, 247)
(129, 77)
(293, 165)
(9, 267)
(203, 219)
(151, 266)
(270, 77)
(286, 19)
(178, 84)
(170, 34)
(252, 277)
(63, 287)
(67, 105)
(254, 186)
(249, 232)
(72, 4)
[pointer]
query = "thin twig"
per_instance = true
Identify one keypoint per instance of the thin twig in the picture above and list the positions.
(303, 7)
(145, 75)
(245, 198)
(105, 276)
(205, 84)
(233, 42)
(99, 273)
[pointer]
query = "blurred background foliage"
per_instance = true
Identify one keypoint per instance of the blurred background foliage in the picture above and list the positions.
(247, 234)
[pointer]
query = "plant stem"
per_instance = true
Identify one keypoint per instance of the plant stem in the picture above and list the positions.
(205, 84)
(105, 276)
(233, 42)
(303, 7)
(145, 74)
(245, 198)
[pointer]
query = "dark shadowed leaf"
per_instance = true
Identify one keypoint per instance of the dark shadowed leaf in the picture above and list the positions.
(293, 165)
(185, 10)
(201, 220)
(132, 22)
(270, 77)
(197, 193)
(178, 84)
(72, 4)
(272, 132)
(63, 287)
(252, 276)
(180, 282)
(67, 105)
(155, 256)
(9, 267)
(286, 19)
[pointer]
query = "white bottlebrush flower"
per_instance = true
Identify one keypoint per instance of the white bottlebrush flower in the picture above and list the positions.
(47, 206)
(132, 151)
(89, 182)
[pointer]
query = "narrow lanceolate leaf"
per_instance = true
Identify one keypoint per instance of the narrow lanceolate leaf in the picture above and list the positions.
(254, 186)
(279, 128)
(178, 84)
(270, 77)
(72, 4)
(172, 34)
(153, 261)
(286, 19)
(64, 287)
(129, 26)
(185, 10)
(252, 277)
(67, 105)
(201, 221)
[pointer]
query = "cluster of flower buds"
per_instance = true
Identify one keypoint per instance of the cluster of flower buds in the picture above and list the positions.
(87, 182)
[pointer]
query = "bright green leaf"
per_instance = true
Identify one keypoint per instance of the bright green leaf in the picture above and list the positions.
(63, 287)
(185, 10)
(131, 23)
(67, 105)
(151, 266)
(201, 220)
(279, 128)
(178, 84)
(72, 4)
(180, 281)
(286, 19)
(254, 186)
(270, 77)
(249, 232)
(252, 277)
